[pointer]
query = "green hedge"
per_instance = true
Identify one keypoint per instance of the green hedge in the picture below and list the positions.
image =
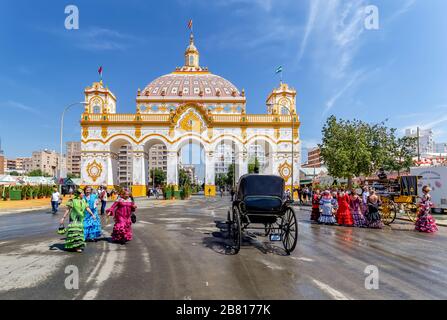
(28, 191)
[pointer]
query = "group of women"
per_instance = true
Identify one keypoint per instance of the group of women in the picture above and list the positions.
(352, 210)
(85, 223)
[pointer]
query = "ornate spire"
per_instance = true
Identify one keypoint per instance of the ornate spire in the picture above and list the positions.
(192, 54)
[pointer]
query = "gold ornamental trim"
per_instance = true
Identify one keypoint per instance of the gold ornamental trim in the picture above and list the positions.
(94, 170)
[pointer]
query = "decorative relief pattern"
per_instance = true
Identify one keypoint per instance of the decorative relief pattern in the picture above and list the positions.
(94, 170)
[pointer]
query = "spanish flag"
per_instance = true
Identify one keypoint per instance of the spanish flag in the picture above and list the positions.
(190, 24)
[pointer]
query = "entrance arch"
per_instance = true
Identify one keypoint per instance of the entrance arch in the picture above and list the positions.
(121, 162)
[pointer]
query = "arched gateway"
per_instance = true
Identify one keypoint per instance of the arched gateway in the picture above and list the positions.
(189, 104)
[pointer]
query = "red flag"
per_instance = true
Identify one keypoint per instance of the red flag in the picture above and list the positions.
(190, 24)
(100, 71)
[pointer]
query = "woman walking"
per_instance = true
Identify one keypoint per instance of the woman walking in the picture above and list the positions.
(373, 215)
(92, 227)
(355, 206)
(315, 215)
(76, 207)
(122, 210)
(344, 217)
(425, 222)
(328, 205)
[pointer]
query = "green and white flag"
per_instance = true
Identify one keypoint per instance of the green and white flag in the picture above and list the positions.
(279, 70)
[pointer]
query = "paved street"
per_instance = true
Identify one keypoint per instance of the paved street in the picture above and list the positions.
(179, 251)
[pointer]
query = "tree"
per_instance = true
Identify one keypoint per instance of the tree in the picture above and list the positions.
(402, 151)
(14, 173)
(158, 175)
(254, 167)
(221, 180)
(38, 173)
(231, 174)
(184, 178)
(354, 148)
(72, 175)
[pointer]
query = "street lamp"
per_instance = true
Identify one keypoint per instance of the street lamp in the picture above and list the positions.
(61, 138)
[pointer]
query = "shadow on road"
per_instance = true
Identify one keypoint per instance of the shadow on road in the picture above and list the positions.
(221, 243)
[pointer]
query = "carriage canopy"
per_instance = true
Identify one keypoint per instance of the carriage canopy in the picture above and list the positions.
(260, 185)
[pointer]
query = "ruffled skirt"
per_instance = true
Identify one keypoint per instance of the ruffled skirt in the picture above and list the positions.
(374, 220)
(359, 219)
(92, 228)
(122, 231)
(344, 218)
(327, 219)
(75, 236)
(426, 223)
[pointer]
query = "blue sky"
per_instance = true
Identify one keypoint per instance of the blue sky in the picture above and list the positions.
(398, 72)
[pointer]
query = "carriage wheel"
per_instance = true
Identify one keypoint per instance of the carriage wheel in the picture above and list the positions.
(289, 228)
(411, 211)
(388, 213)
(235, 231)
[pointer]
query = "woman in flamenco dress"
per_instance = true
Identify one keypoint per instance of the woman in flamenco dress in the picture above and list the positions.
(425, 222)
(355, 205)
(92, 227)
(122, 210)
(344, 217)
(315, 215)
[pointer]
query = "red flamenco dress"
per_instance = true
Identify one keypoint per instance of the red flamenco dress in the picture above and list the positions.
(122, 211)
(344, 217)
(425, 222)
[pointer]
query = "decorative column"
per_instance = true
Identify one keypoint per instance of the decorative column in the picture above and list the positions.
(210, 187)
(241, 163)
(172, 171)
(138, 172)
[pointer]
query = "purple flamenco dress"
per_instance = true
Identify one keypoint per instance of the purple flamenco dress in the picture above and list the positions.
(425, 222)
(122, 211)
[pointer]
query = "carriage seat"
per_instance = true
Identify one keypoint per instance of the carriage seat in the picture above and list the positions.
(265, 204)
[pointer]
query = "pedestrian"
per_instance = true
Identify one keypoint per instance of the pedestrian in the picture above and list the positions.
(356, 206)
(103, 198)
(122, 210)
(365, 195)
(425, 222)
(344, 217)
(327, 205)
(221, 192)
(315, 215)
(76, 207)
(232, 194)
(55, 198)
(92, 223)
(373, 215)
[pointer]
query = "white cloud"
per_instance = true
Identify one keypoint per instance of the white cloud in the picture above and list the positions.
(313, 12)
(18, 105)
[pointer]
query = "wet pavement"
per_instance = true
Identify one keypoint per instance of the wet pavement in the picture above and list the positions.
(180, 251)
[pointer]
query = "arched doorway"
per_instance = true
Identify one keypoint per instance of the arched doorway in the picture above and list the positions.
(121, 157)
(156, 162)
(260, 156)
(191, 163)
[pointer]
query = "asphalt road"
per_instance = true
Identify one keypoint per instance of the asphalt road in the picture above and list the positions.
(180, 251)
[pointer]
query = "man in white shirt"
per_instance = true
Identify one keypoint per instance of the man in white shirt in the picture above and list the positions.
(55, 198)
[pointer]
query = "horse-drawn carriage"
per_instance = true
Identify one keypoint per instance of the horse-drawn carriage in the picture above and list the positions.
(260, 200)
(398, 196)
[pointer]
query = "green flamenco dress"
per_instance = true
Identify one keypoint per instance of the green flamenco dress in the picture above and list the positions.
(75, 231)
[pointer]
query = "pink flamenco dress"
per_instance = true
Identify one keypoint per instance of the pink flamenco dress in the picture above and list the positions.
(425, 222)
(122, 211)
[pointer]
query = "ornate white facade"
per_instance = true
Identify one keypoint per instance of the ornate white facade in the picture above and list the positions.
(189, 105)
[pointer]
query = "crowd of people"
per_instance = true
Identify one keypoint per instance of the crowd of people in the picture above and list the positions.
(351, 209)
(85, 222)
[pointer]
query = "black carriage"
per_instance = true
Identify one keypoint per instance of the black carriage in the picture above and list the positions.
(260, 200)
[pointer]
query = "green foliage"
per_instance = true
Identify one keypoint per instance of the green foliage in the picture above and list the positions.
(28, 191)
(254, 166)
(355, 148)
(14, 173)
(38, 173)
(221, 180)
(230, 175)
(72, 175)
(160, 176)
(184, 177)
